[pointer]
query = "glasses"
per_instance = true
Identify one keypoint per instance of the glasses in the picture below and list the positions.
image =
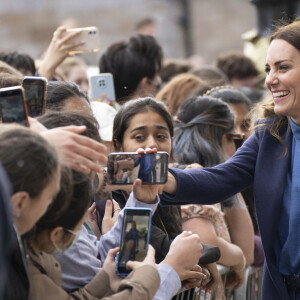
(238, 138)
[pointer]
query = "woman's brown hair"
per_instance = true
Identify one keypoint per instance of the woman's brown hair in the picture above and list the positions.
(291, 34)
(179, 89)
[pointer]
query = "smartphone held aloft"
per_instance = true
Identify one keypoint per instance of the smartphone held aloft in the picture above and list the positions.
(123, 168)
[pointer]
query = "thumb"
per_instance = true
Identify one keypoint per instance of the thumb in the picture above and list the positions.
(137, 184)
(112, 253)
(108, 209)
(73, 128)
(150, 253)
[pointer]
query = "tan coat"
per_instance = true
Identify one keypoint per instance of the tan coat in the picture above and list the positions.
(46, 282)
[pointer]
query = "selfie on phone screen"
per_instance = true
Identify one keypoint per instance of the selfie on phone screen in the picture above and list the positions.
(124, 168)
(135, 237)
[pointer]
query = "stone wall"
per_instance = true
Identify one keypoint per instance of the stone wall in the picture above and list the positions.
(27, 25)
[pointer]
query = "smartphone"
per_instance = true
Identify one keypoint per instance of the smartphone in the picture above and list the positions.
(12, 106)
(35, 90)
(102, 88)
(124, 168)
(88, 35)
(100, 205)
(135, 237)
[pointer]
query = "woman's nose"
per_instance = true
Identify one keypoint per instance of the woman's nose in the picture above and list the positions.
(151, 143)
(271, 79)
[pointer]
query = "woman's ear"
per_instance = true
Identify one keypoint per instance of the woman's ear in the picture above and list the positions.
(117, 145)
(56, 234)
(19, 202)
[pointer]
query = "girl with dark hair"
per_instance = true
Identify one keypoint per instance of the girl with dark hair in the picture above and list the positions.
(146, 123)
(203, 135)
(32, 167)
(62, 96)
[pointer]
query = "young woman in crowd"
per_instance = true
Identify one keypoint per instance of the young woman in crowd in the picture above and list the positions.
(81, 262)
(145, 123)
(203, 135)
(268, 160)
(31, 164)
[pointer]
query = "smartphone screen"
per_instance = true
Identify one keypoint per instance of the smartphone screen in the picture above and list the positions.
(125, 167)
(102, 88)
(35, 95)
(135, 236)
(12, 106)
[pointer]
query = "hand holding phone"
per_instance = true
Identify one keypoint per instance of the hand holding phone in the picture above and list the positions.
(134, 237)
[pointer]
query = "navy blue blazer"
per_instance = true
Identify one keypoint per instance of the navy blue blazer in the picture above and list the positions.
(261, 162)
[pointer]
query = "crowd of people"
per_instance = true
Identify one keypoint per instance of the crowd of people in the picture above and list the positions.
(232, 177)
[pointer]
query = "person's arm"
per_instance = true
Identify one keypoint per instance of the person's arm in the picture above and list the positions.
(241, 228)
(212, 185)
(57, 51)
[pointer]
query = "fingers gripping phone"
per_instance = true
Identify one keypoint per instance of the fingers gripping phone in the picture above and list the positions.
(88, 35)
(35, 90)
(124, 168)
(134, 237)
(102, 88)
(12, 106)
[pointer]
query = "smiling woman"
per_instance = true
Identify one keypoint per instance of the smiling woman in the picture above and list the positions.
(269, 160)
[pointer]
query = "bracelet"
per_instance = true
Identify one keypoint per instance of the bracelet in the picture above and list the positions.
(241, 269)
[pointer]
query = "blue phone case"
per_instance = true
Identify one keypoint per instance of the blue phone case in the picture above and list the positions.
(128, 211)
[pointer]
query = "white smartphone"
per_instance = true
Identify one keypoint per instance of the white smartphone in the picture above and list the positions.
(102, 88)
(88, 35)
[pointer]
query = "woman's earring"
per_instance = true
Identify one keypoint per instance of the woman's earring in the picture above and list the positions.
(17, 215)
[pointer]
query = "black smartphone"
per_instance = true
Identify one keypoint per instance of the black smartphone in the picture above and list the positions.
(35, 89)
(100, 201)
(125, 167)
(12, 106)
(135, 237)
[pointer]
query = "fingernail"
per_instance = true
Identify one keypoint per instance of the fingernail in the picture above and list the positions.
(147, 149)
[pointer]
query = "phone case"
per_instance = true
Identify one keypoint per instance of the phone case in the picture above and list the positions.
(139, 212)
(88, 35)
(102, 88)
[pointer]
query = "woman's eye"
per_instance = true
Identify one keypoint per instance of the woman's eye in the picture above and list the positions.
(267, 70)
(139, 137)
(284, 67)
(162, 137)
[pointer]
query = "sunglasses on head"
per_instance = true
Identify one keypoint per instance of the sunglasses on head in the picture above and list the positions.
(238, 138)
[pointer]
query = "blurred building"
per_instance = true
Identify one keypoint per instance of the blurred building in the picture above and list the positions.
(215, 25)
